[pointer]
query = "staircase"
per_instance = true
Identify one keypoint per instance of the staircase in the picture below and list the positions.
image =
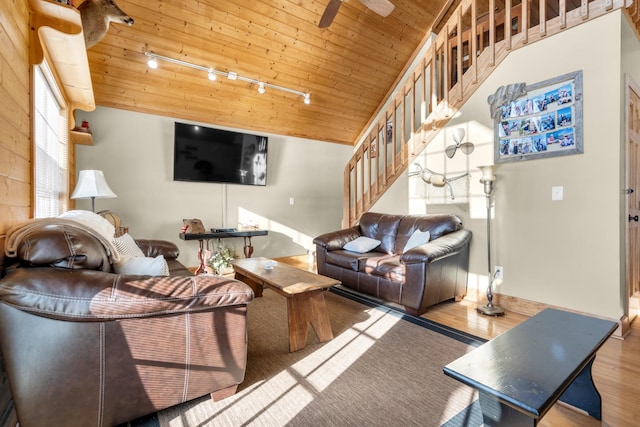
(446, 76)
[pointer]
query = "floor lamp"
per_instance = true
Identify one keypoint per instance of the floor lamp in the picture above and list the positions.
(92, 184)
(487, 179)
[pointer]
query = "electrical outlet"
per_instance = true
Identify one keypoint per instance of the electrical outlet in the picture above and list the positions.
(499, 273)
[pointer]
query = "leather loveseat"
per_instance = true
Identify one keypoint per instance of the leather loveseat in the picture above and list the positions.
(415, 278)
(84, 346)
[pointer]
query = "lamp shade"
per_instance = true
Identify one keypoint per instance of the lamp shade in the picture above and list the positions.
(92, 184)
(487, 173)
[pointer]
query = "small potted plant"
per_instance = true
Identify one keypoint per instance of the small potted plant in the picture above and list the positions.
(220, 261)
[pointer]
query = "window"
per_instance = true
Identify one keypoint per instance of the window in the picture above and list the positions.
(50, 146)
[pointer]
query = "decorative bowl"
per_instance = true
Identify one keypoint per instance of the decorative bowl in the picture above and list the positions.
(269, 264)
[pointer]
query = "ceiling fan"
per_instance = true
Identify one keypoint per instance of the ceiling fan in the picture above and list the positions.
(381, 7)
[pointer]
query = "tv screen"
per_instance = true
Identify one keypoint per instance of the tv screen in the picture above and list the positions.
(205, 154)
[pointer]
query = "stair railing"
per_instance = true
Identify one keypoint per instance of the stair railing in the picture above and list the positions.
(445, 77)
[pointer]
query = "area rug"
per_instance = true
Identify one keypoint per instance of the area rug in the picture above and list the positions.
(382, 368)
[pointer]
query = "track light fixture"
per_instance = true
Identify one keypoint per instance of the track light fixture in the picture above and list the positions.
(212, 74)
(152, 62)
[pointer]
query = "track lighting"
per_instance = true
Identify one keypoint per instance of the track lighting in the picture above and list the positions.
(152, 62)
(212, 74)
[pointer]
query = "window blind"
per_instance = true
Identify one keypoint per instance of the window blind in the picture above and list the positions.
(51, 147)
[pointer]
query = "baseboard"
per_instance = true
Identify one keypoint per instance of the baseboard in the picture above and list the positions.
(531, 308)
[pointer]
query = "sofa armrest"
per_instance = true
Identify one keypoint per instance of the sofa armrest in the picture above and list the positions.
(336, 239)
(88, 295)
(439, 248)
(153, 248)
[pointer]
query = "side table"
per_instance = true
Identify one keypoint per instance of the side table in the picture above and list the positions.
(202, 237)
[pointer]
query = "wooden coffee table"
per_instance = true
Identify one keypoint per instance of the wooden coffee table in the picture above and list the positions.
(304, 291)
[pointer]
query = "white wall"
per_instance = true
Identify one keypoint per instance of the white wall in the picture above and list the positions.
(135, 151)
(566, 253)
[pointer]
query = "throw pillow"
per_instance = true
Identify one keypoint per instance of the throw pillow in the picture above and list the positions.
(93, 221)
(418, 238)
(142, 265)
(361, 245)
(127, 246)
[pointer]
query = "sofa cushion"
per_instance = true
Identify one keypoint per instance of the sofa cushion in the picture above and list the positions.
(381, 227)
(437, 225)
(361, 245)
(387, 266)
(418, 238)
(344, 259)
(148, 266)
(350, 260)
(133, 260)
(127, 247)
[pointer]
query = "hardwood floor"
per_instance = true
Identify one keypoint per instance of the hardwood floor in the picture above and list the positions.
(616, 370)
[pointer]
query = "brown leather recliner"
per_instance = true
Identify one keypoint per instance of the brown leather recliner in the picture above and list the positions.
(87, 347)
(416, 278)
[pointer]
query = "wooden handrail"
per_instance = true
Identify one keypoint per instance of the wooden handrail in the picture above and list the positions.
(449, 78)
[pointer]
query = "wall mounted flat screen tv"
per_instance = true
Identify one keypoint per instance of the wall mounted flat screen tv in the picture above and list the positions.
(205, 154)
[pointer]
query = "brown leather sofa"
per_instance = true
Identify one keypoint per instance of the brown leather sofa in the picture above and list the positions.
(86, 347)
(417, 278)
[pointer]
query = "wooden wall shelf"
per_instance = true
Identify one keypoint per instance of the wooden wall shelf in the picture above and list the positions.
(58, 38)
(81, 138)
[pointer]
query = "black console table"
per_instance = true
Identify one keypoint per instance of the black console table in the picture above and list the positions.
(520, 374)
(202, 237)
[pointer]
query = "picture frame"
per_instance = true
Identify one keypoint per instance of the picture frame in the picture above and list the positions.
(537, 121)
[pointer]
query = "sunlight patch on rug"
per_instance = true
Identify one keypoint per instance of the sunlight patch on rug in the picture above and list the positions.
(325, 365)
(378, 370)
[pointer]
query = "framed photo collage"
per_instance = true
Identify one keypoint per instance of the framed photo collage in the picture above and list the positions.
(545, 122)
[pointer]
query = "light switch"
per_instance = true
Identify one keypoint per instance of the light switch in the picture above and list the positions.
(557, 193)
(292, 201)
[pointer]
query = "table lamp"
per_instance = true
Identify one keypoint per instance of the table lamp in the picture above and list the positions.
(92, 184)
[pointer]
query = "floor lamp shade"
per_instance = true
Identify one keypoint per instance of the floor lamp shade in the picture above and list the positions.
(92, 184)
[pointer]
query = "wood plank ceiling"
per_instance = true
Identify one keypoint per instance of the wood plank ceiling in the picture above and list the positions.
(348, 68)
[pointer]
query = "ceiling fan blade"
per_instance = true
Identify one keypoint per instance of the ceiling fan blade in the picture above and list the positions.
(329, 13)
(381, 7)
